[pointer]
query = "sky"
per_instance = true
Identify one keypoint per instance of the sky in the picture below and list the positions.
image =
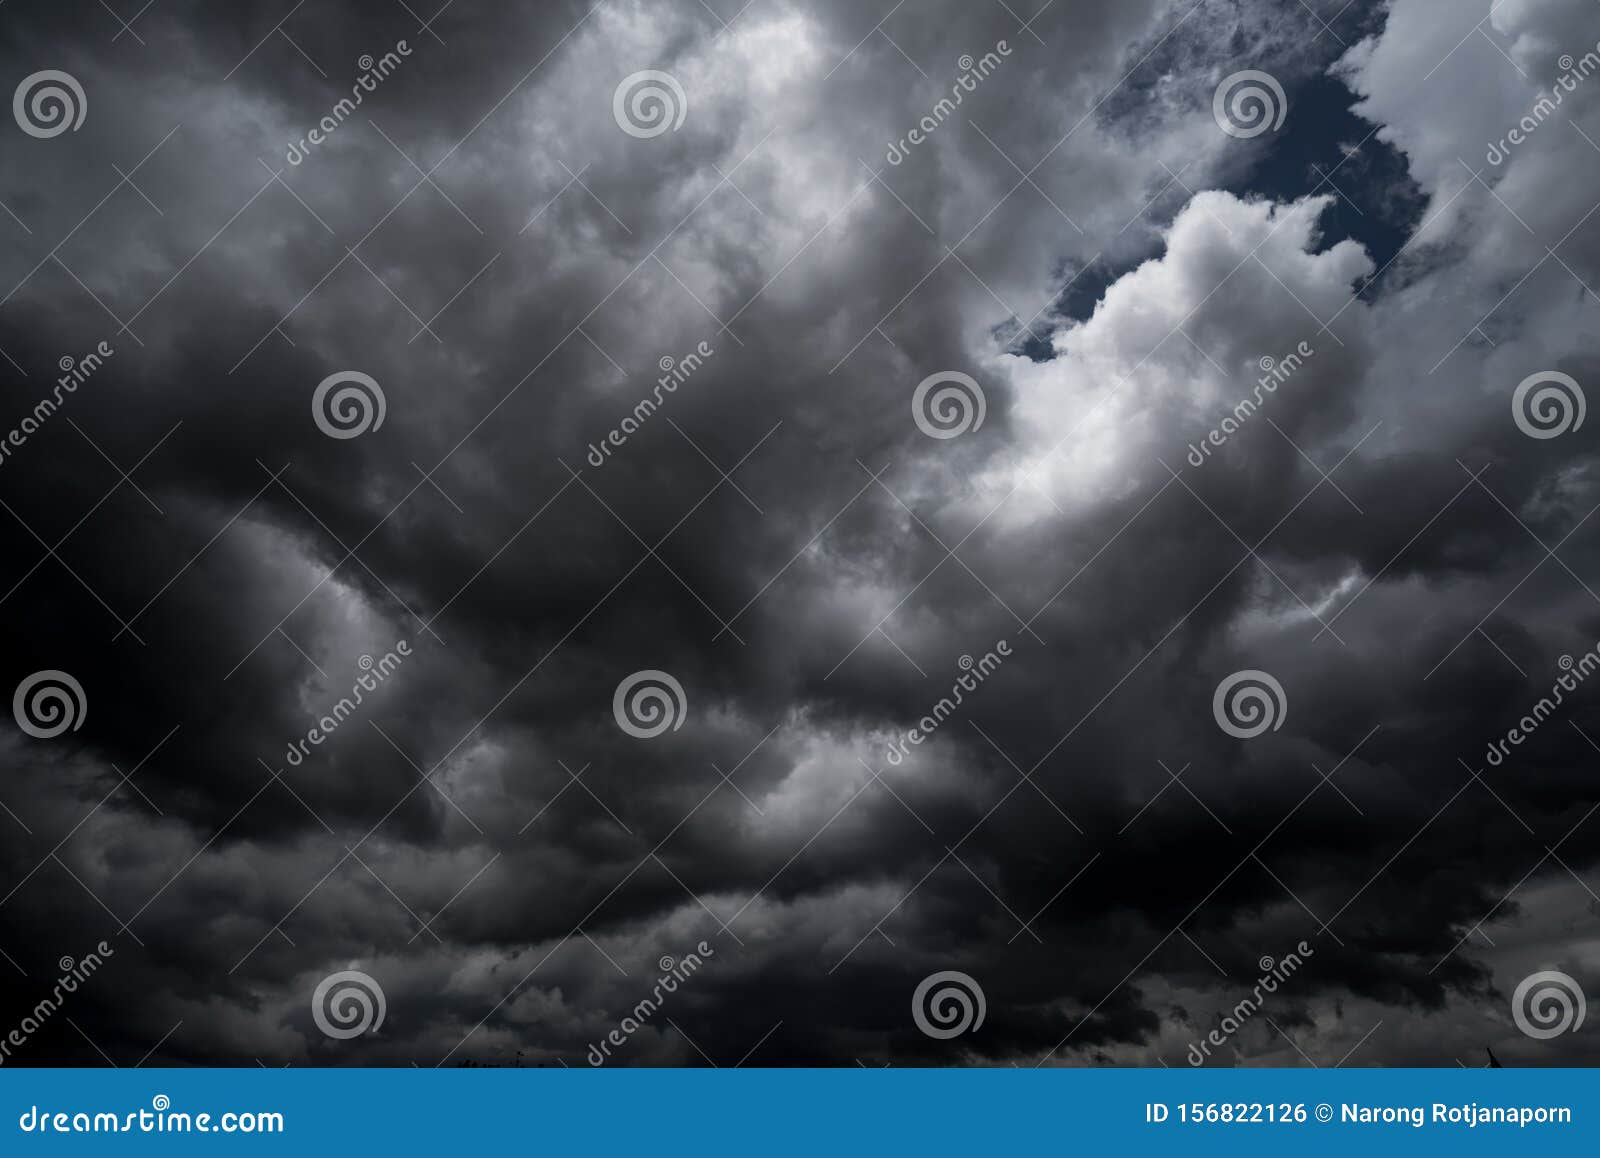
(652, 534)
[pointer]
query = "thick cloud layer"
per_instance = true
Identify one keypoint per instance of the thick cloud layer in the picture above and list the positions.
(1249, 403)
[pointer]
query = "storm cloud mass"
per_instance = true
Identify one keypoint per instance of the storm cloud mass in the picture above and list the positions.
(943, 673)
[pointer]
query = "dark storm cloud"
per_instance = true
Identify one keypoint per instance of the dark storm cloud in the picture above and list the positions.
(484, 839)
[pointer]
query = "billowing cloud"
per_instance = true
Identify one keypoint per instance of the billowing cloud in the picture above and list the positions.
(650, 404)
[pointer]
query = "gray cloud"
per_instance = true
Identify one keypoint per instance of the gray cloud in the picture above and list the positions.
(483, 240)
